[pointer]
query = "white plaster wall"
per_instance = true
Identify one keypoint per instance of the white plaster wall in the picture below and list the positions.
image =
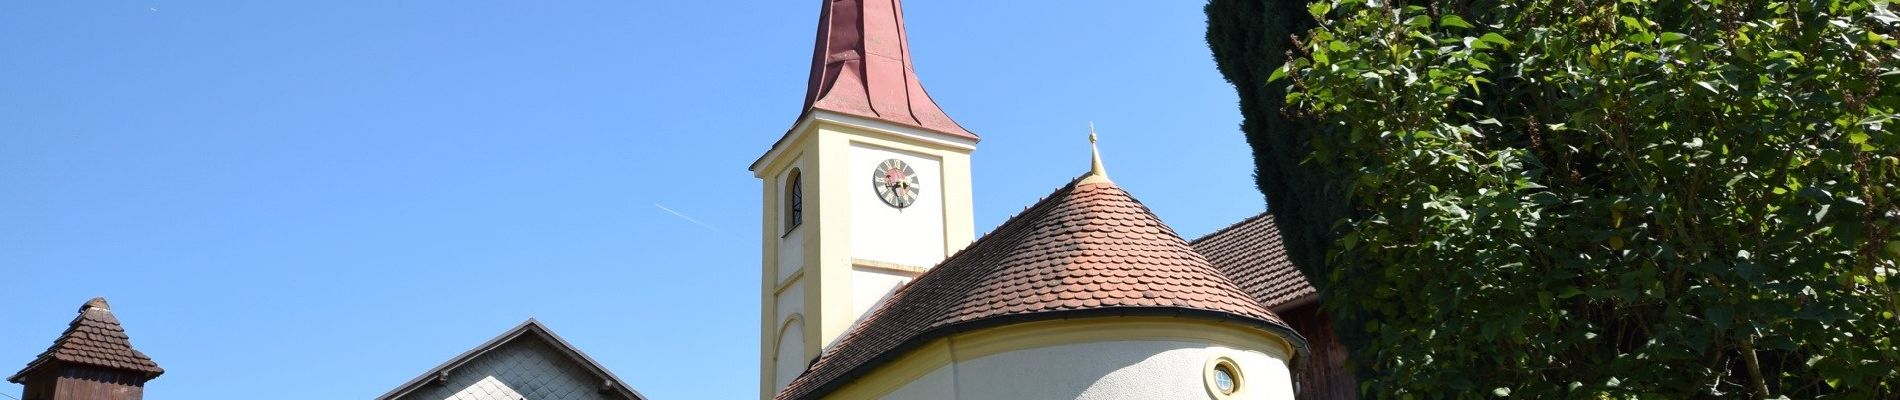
(869, 287)
(791, 254)
(910, 236)
(938, 384)
(791, 355)
(791, 301)
(789, 350)
(525, 368)
(1101, 370)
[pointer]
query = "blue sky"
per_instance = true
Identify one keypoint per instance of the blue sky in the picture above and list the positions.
(324, 199)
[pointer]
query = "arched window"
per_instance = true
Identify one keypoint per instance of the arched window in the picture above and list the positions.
(794, 201)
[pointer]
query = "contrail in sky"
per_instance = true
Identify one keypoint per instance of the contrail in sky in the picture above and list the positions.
(690, 219)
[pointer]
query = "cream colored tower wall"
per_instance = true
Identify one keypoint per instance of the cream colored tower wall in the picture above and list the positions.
(791, 358)
(791, 255)
(846, 285)
(871, 285)
(1095, 358)
(911, 235)
(783, 279)
(768, 283)
(819, 269)
(791, 302)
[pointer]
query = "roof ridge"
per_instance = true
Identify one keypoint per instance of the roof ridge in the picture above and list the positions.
(1229, 227)
(510, 336)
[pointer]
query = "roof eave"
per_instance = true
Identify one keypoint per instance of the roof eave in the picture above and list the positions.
(47, 362)
(526, 327)
(1293, 338)
(1296, 302)
(815, 115)
(1229, 227)
(20, 377)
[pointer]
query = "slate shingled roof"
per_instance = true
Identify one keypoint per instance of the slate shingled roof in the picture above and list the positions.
(530, 329)
(94, 338)
(1087, 249)
(1252, 255)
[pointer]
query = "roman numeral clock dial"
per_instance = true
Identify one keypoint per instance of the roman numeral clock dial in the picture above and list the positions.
(896, 183)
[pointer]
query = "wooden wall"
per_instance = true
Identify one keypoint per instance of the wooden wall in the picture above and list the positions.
(83, 383)
(1323, 375)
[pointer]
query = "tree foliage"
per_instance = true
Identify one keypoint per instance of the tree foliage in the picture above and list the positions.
(1560, 198)
(1249, 39)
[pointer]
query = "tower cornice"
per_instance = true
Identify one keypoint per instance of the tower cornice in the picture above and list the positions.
(932, 138)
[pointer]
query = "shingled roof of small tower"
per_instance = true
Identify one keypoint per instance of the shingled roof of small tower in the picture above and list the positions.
(94, 338)
(861, 66)
(1089, 249)
(1253, 255)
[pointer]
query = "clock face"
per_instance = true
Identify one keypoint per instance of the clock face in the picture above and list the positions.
(896, 183)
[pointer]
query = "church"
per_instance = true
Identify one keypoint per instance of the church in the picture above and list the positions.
(873, 286)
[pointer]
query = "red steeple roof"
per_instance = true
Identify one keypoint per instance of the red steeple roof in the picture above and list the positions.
(861, 66)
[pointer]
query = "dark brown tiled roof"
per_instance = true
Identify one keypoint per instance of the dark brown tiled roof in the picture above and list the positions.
(1252, 255)
(96, 339)
(1086, 249)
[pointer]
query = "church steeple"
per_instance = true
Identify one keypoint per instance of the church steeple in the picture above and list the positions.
(867, 190)
(861, 66)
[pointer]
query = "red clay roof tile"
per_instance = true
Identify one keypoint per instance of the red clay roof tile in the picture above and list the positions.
(1251, 254)
(1088, 247)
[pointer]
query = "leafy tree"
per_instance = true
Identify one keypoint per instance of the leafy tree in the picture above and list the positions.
(1249, 39)
(1623, 199)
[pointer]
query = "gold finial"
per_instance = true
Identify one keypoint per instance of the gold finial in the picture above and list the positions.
(1096, 172)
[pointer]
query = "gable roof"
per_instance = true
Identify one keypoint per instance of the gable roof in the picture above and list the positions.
(94, 338)
(1089, 249)
(531, 329)
(1251, 253)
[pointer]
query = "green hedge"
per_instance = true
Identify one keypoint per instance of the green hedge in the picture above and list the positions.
(1601, 199)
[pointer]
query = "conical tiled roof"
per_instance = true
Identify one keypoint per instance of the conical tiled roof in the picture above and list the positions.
(94, 338)
(1089, 248)
(861, 66)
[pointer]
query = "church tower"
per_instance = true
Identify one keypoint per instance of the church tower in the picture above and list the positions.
(868, 189)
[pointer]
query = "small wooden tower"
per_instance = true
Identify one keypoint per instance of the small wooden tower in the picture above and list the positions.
(92, 360)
